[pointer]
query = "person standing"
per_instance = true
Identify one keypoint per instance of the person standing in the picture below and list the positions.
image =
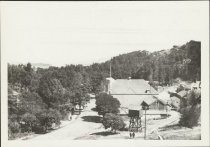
(133, 134)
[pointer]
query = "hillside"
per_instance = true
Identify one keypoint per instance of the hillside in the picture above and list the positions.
(163, 66)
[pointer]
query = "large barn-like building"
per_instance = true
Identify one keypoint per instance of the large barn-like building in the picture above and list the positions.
(133, 92)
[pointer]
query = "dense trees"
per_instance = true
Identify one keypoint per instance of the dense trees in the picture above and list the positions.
(44, 96)
(162, 66)
(51, 90)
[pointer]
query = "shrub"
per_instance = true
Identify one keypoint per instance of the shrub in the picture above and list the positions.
(190, 112)
(27, 122)
(54, 116)
(65, 110)
(113, 121)
(13, 126)
(190, 116)
(13, 117)
(46, 119)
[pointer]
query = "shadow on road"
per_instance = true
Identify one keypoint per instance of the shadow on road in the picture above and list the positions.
(104, 133)
(95, 119)
(94, 109)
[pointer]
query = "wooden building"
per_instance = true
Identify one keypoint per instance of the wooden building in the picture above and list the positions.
(133, 92)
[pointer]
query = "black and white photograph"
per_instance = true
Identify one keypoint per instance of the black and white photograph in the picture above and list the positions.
(102, 70)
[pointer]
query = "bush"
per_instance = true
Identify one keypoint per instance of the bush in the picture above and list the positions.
(39, 128)
(54, 116)
(46, 119)
(190, 116)
(13, 126)
(113, 121)
(27, 122)
(190, 111)
(65, 110)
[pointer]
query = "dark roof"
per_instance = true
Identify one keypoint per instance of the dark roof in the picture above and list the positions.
(131, 86)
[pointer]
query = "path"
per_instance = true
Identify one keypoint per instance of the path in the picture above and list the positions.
(77, 128)
(84, 126)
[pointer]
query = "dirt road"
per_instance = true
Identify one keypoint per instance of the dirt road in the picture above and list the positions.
(152, 127)
(88, 125)
(82, 126)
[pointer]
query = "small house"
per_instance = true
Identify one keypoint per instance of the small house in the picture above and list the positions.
(196, 85)
(154, 103)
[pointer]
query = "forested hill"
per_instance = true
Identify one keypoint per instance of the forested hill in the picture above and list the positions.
(178, 62)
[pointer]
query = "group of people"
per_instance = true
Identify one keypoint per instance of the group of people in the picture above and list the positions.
(132, 134)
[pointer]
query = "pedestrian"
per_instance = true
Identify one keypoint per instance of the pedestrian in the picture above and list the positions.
(133, 134)
(130, 135)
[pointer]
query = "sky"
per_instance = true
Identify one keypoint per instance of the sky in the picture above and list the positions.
(60, 33)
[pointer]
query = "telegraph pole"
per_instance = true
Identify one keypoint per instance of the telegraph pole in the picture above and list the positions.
(145, 124)
(145, 107)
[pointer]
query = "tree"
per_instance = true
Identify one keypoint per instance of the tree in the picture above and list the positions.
(190, 110)
(190, 116)
(46, 119)
(105, 103)
(27, 122)
(14, 73)
(28, 67)
(30, 102)
(113, 121)
(51, 90)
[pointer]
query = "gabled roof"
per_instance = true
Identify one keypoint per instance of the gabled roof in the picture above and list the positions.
(128, 100)
(182, 93)
(149, 100)
(134, 107)
(164, 102)
(131, 86)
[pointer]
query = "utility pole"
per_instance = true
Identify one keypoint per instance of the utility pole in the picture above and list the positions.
(145, 124)
(145, 107)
